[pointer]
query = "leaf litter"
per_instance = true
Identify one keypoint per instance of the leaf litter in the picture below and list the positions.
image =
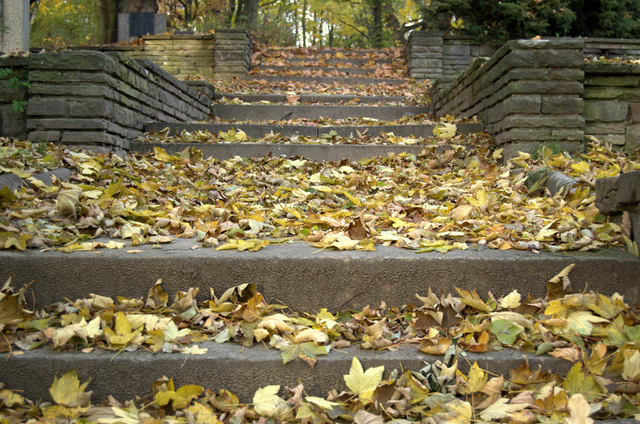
(454, 195)
(598, 334)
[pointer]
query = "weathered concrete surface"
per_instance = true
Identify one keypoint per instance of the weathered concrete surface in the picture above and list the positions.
(329, 80)
(13, 182)
(260, 130)
(315, 152)
(311, 98)
(228, 366)
(307, 278)
(259, 112)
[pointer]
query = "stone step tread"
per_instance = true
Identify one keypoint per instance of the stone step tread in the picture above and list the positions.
(314, 152)
(260, 130)
(229, 366)
(258, 112)
(312, 98)
(336, 80)
(355, 71)
(328, 279)
(328, 61)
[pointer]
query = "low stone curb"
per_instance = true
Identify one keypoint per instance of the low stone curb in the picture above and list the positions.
(306, 278)
(260, 130)
(13, 182)
(329, 80)
(232, 367)
(286, 112)
(311, 98)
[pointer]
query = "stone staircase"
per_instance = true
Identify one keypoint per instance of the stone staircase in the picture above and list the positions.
(284, 93)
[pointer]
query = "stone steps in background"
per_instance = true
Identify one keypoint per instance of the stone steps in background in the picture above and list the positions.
(260, 130)
(311, 98)
(262, 69)
(330, 80)
(259, 112)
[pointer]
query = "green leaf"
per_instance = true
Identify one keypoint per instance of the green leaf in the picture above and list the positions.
(505, 331)
(306, 351)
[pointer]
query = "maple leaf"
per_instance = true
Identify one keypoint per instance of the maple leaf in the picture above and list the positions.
(475, 381)
(306, 351)
(267, 402)
(631, 367)
(473, 299)
(179, 398)
(363, 383)
(577, 381)
(68, 391)
(505, 331)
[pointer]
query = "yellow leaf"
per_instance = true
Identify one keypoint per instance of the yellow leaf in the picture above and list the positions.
(579, 410)
(311, 335)
(445, 130)
(363, 383)
(511, 301)
(473, 299)
(631, 367)
(560, 284)
(476, 380)
(580, 322)
(276, 322)
(267, 402)
(501, 409)
(580, 168)
(461, 213)
(322, 403)
(68, 391)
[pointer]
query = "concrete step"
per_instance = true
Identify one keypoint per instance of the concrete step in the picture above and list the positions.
(312, 98)
(264, 69)
(327, 61)
(315, 152)
(315, 131)
(307, 279)
(329, 80)
(229, 366)
(257, 113)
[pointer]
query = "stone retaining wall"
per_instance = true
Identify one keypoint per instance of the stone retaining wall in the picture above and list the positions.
(611, 47)
(13, 88)
(530, 91)
(233, 49)
(431, 54)
(104, 99)
(612, 103)
(621, 195)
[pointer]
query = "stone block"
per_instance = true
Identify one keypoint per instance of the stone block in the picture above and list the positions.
(632, 141)
(47, 106)
(605, 111)
(617, 93)
(612, 80)
(44, 136)
(12, 122)
(596, 128)
(73, 60)
(456, 50)
(91, 108)
(614, 139)
(634, 112)
(562, 104)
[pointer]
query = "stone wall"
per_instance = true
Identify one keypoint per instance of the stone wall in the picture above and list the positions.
(611, 47)
(103, 99)
(620, 195)
(530, 91)
(232, 53)
(13, 92)
(431, 54)
(612, 103)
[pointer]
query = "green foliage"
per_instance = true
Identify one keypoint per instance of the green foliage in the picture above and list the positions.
(14, 83)
(606, 18)
(489, 20)
(63, 22)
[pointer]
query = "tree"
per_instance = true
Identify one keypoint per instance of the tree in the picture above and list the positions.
(606, 18)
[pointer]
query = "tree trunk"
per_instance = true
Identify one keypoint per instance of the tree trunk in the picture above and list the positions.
(377, 23)
(140, 6)
(392, 22)
(304, 23)
(107, 21)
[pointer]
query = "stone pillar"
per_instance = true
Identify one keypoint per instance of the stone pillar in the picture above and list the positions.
(424, 54)
(15, 25)
(233, 49)
(136, 24)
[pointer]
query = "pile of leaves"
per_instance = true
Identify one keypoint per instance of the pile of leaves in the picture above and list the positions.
(599, 334)
(454, 194)
(416, 92)
(382, 71)
(274, 55)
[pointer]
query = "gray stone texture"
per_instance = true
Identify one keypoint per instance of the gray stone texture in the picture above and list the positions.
(618, 194)
(95, 98)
